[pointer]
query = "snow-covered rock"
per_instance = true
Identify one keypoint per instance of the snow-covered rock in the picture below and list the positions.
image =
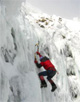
(59, 40)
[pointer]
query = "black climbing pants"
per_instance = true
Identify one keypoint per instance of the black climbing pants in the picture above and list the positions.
(48, 73)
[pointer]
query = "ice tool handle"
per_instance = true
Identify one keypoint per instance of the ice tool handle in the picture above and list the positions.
(37, 46)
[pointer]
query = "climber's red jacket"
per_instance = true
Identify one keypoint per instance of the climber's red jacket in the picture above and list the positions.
(45, 62)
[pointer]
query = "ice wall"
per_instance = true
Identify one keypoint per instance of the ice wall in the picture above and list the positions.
(17, 69)
(18, 74)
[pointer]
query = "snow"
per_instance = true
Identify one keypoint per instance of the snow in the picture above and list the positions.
(59, 40)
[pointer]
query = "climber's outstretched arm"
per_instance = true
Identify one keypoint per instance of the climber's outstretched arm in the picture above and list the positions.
(38, 64)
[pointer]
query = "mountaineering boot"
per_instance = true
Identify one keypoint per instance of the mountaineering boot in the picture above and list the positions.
(43, 83)
(53, 87)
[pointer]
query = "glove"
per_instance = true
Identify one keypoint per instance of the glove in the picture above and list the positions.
(35, 61)
(39, 54)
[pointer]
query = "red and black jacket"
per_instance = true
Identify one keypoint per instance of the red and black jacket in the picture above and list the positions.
(46, 63)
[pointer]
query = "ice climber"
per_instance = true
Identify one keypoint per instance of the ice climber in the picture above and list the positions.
(50, 71)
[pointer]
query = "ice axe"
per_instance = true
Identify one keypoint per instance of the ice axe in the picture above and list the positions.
(35, 56)
(37, 46)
